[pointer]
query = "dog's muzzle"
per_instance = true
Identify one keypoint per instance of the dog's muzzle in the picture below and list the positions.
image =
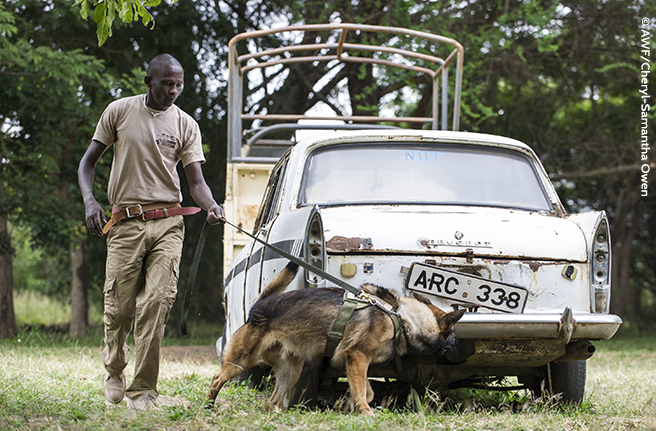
(449, 344)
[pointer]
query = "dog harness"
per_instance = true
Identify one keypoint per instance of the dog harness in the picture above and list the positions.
(354, 302)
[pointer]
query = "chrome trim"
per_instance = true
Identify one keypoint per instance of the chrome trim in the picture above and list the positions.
(585, 326)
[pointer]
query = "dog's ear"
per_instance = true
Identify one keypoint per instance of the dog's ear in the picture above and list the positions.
(450, 319)
(421, 298)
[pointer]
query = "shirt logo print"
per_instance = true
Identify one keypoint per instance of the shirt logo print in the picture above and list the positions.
(166, 141)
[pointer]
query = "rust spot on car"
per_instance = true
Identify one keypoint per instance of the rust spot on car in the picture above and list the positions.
(533, 265)
(342, 243)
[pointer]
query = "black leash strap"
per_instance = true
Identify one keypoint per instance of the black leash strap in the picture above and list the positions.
(300, 262)
(192, 278)
(349, 306)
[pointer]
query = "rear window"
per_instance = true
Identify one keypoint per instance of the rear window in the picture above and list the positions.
(422, 174)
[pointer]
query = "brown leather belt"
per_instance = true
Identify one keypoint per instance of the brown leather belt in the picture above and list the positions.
(148, 212)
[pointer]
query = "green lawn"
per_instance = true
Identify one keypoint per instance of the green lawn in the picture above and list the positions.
(50, 382)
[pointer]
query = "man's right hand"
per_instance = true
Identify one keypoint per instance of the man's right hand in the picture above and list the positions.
(95, 218)
(94, 214)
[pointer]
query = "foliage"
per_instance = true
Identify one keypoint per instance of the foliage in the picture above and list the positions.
(559, 75)
(36, 270)
(46, 105)
(105, 11)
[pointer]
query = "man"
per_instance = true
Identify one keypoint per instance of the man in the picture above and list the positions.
(145, 233)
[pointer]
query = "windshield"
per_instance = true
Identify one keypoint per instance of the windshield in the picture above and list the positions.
(422, 174)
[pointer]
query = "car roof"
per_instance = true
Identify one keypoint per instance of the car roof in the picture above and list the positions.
(399, 135)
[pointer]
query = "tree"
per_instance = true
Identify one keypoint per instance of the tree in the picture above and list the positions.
(47, 108)
(558, 75)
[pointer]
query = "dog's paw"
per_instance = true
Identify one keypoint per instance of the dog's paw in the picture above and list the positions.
(209, 404)
(367, 412)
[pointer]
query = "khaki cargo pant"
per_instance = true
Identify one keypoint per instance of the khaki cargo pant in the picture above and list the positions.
(143, 258)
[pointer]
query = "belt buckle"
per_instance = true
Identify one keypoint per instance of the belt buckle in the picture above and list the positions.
(130, 215)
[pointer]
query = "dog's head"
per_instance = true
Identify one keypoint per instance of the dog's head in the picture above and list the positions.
(427, 328)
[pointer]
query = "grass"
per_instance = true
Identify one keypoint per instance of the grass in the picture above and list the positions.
(34, 309)
(51, 382)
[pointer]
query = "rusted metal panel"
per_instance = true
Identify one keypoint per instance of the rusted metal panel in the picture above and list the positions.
(340, 243)
(527, 353)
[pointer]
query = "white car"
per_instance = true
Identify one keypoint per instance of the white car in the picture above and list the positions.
(468, 220)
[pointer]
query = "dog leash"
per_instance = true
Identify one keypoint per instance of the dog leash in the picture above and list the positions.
(192, 278)
(351, 303)
(296, 260)
(300, 262)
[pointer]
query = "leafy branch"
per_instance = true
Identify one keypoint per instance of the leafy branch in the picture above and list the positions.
(105, 11)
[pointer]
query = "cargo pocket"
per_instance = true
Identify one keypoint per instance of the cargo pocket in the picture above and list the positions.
(172, 285)
(109, 295)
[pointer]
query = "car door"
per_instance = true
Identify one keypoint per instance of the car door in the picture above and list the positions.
(267, 215)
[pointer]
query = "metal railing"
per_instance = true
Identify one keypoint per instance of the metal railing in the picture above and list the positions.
(240, 141)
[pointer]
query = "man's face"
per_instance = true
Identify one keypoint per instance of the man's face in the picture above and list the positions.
(164, 86)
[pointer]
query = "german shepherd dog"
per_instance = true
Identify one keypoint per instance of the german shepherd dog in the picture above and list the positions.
(285, 330)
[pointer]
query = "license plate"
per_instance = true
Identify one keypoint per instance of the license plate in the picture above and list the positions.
(466, 288)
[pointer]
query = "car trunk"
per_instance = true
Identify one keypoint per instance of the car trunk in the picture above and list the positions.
(457, 231)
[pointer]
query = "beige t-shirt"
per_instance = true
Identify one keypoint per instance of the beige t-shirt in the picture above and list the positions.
(147, 149)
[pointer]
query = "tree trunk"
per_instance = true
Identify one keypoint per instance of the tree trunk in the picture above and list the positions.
(7, 317)
(625, 229)
(79, 290)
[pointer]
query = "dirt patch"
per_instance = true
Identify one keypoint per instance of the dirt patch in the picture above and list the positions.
(189, 353)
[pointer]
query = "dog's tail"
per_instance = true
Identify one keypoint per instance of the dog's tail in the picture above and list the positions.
(281, 281)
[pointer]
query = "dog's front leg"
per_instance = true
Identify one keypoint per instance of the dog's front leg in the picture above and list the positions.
(287, 371)
(370, 392)
(357, 364)
(228, 372)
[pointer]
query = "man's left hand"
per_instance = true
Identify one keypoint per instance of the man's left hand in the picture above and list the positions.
(215, 215)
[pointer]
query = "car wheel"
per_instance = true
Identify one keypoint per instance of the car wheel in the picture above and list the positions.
(568, 379)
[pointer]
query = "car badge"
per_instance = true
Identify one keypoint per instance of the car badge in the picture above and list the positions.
(458, 235)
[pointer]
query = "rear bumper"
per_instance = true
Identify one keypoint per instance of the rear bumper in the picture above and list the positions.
(583, 326)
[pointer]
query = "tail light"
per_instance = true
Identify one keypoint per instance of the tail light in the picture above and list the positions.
(600, 267)
(315, 250)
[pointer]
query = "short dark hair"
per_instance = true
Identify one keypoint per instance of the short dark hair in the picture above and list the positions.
(160, 61)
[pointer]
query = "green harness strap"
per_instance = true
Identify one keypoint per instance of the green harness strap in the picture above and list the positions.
(352, 303)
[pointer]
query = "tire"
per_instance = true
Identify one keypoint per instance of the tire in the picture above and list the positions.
(568, 379)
